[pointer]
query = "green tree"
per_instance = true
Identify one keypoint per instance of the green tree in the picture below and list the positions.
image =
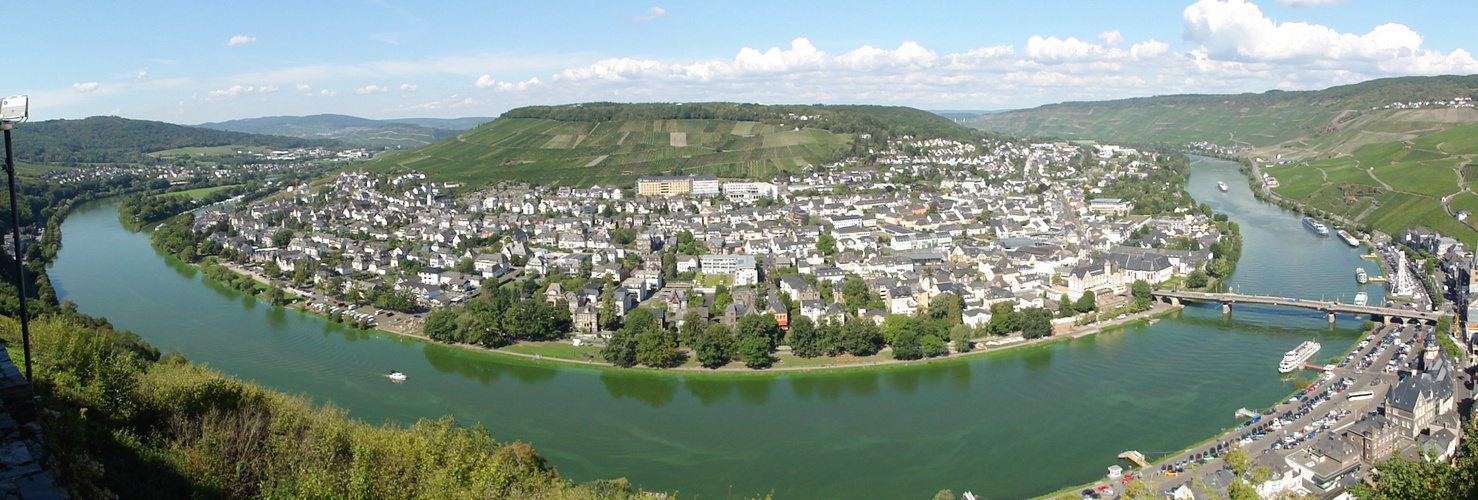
(282, 238)
(275, 295)
(1003, 319)
(762, 326)
(1065, 307)
(658, 349)
(932, 346)
(714, 346)
(905, 344)
(303, 272)
(826, 244)
(962, 336)
(855, 293)
(948, 307)
(896, 326)
(1143, 294)
(441, 325)
(1196, 279)
(693, 325)
(860, 337)
(466, 266)
(803, 338)
(271, 269)
(620, 350)
(755, 352)
(1086, 303)
(606, 317)
(1036, 322)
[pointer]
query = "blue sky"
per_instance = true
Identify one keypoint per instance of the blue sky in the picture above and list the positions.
(192, 62)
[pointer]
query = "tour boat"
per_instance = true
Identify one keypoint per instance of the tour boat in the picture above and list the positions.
(1349, 238)
(1222, 186)
(1361, 276)
(1362, 298)
(1316, 226)
(396, 376)
(1296, 358)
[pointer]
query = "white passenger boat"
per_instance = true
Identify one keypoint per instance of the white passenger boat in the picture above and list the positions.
(1296, 358)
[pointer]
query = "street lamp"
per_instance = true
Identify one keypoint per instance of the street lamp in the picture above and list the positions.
(13, 110)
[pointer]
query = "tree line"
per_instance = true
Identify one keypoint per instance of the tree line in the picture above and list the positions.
(878, 121)
(498, 317)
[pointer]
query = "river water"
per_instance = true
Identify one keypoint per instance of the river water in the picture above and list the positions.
(1007, 425)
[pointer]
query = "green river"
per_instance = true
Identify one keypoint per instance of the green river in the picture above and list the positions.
(1014, 424)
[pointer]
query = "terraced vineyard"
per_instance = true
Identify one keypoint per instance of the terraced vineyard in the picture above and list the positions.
(1337, 150)
(584, 153)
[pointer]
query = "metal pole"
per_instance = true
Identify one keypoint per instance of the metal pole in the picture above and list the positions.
(20, 268)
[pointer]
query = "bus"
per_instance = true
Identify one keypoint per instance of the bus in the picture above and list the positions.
(1361, 395)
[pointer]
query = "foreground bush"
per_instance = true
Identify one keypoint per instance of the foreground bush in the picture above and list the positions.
(124, 420)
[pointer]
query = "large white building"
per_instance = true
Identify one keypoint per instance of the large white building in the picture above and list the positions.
(750, 190)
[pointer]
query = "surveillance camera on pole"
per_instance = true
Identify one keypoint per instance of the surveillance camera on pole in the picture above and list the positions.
(13, 110)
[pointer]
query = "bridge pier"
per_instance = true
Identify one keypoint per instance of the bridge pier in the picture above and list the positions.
(1226, 308)
(1331, 318)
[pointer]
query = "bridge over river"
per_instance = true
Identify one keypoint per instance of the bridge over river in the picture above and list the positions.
(1377, 313)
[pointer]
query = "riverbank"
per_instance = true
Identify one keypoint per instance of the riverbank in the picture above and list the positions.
(563, 352)
(779, 432)
(559, 353)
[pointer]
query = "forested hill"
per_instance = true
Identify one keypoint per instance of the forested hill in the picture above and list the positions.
(110, 139)
(1256, 120)
(403, 133)
(838, 119)
(609, 143)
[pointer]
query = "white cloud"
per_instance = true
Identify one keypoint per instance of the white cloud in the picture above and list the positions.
(85, 87)
(654, 13)
(327, 93)
(1111, 37)
(240, 40)
(371, 89)
(1236, 32)
(487, 81)
(303, 87)
(143, 76)
(450, 102)
(408, 87)
(237, 91)
(1308, 4)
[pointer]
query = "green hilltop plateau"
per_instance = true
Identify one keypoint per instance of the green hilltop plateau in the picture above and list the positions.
(609, 143)
(1386, 154)
(401, 133)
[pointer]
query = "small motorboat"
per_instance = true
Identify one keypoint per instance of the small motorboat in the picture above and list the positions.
(396, 376)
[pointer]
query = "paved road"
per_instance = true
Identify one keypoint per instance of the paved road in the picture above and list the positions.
(1159, 481)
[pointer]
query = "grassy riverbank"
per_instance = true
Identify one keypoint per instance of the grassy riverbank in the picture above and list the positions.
(562, 353)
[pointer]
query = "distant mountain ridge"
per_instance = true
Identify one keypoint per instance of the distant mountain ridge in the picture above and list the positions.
(1254, 119)
(110, 139)
(613, 143)
(1387, 154)
(408, 132)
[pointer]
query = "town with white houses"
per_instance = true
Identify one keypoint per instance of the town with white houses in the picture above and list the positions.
(991, 222)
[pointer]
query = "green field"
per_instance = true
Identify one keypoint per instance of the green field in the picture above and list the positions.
(713, 280)
(211, 151)
(202, 192)
(585, 153)
(32, 169)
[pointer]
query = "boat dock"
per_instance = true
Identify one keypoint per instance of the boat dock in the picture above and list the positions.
(1136, 457)
(1311, 366)
(1245, 413)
